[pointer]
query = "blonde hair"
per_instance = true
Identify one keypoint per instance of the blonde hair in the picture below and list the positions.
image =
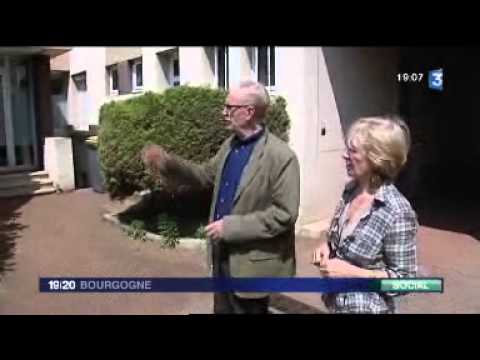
(386, 143)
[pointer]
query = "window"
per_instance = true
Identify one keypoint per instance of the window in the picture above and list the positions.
(173, 67)
(137, 75)
(80, 81)
(113, 79)
(175, 79)
(59, 83)
(221, 67)
(265, 69)
(170, 67)
(56, 86)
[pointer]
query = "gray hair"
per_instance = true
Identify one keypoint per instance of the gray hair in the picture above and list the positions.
(258, 94)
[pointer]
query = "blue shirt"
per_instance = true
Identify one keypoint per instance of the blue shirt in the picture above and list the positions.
(237, 159)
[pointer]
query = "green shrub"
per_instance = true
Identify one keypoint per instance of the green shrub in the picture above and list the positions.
(167, 227)
(200, 233)
(184, 120)
(277, 119)
(136, 230)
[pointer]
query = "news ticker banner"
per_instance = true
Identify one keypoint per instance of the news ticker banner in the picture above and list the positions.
(271, 285)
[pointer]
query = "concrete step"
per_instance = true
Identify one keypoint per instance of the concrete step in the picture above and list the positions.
(22, 175)
(26, 191)
(25, 181)
(25, 184)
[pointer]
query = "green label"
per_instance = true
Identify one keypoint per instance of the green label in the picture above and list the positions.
(412, 285)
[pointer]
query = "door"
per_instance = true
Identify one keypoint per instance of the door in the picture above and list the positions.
(18, 150)
(3, 135)
(6, 141)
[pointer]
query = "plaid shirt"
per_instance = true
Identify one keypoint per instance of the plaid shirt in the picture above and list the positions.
(383, 240)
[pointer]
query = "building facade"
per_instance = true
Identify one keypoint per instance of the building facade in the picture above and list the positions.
(26, 120)
(326, 88)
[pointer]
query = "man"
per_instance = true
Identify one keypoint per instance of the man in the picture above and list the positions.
(256, 189)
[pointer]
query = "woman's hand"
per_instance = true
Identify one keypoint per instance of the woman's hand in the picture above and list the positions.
(341, 268)
(321, 254)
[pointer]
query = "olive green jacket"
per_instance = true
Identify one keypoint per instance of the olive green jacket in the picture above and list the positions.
(260, 232)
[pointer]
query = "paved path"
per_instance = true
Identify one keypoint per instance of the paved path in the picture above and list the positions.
(64, 235)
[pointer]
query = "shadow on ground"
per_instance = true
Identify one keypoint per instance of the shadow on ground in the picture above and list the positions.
(444, 194)
(451, 214)
(451, 202)
(289, 305)
(10, 231)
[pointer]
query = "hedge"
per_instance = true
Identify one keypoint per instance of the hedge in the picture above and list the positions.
(185, 120)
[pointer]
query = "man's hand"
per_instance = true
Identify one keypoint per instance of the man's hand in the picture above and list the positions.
(155, 158)
(321, 254)
(215, 230)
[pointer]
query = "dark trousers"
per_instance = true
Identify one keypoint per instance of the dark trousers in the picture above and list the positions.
(229, 303)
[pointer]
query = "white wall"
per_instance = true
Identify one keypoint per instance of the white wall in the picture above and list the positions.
(84, 106)
(235, 60)
(326, 88)
(58, 160)
(154, 77)
(246, 66)
(302, 79)
(195, 67)
(364, 80)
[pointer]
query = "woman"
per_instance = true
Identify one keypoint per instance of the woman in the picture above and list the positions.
(372, 233)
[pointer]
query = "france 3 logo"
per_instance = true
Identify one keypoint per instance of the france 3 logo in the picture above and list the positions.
(435, 79)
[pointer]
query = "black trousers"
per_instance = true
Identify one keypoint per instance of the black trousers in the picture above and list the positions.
(229, 303)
